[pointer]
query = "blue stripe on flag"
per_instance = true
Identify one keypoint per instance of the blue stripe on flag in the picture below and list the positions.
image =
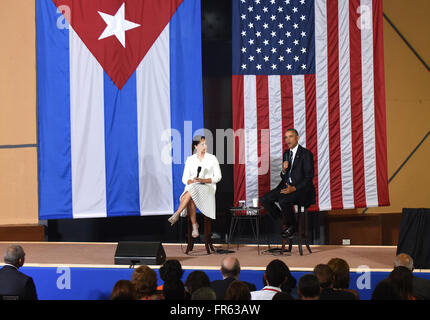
(186, 93)
(121, 145)
(53, 106)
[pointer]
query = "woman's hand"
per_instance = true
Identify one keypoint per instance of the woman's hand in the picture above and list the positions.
(200, 180)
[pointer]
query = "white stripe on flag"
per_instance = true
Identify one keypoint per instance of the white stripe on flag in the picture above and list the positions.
(275, 126)
(324, 197)
(153, 82)
(299, 107)
(368, 104)
(87, 132)
(345, 107)
(251, 137)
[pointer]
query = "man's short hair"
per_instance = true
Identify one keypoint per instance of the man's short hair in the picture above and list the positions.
(276, 273)
(324, 275)
(309, 286)
(293, 130)
(13, 254)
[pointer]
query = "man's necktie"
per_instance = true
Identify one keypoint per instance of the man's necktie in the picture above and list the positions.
(290, 160)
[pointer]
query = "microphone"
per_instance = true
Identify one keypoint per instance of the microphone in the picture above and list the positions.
(198, 171)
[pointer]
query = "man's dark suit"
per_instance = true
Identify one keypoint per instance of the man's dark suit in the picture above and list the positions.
(15, 283)
(220, 287)
(302, 174)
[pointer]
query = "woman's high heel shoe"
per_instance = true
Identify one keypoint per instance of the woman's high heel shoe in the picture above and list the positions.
(195, 232)
(174, 218)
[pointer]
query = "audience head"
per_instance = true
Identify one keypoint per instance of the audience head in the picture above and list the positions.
(204, 293)
(173, 289)
(340, 270)
(309, 287)
(171, 269)
(276, 273)
(123, 290)
(196, 280)
(290, 281)
(238, 290)
(14, 255)
(324, 275)
(230, 267)
(404, 260)
(402, 279)
(385, 290)
(144, 280)
(282, 296)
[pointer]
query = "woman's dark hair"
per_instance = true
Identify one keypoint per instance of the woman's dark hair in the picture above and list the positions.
(196, 280)
(123, 290)
(402, 279)
(238, 290)
(290, 282)
(340, 270)
(196, 141)
(170, 270)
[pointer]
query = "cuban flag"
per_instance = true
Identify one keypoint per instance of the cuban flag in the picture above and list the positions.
(119, 94)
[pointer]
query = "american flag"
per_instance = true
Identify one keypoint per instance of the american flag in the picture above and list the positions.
(317, 66)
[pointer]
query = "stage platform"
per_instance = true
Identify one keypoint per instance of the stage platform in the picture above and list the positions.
(91, 254)
(65, 270)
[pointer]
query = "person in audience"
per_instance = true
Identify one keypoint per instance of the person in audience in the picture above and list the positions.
(230, 270)
(325, 279)
(144, 280)
(421, 286)
(401, 277)
(204, 293)
(14, 283)
(196, 280)
(283, 296)
(123, 290)
(173, 289)
(309, 287)
(171, 269)
(274, 277)
(385, 290)
(290, 285)
(340, 270)
(238, 290)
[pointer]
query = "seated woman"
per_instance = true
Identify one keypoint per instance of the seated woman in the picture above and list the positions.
(201, 173)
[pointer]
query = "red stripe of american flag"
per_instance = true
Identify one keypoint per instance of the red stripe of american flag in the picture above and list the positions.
(311, 129)
(380, 113)
(334, 104)
(262, 85)
(356, 106)
(239, 141)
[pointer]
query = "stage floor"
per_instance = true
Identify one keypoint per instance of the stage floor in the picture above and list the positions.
(79, 254)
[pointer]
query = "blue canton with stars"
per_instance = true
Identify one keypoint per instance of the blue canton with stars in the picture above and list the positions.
(273, 37)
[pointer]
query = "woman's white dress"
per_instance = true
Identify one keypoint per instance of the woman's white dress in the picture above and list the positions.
(203, 194)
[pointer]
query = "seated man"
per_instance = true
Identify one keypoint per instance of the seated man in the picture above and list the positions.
(230, 269)
(421, 286)
(296, 186)
(274, 277)
(13, 282)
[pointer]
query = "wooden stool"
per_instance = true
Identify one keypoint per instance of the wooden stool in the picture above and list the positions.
(207, 227)
(301, 236)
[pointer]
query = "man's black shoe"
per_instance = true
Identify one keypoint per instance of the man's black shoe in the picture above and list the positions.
(288, 233)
